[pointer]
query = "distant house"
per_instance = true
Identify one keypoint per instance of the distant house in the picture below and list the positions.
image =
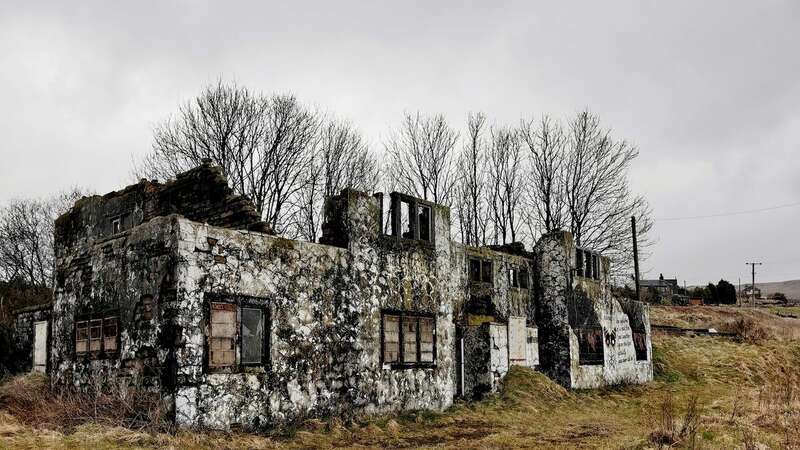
(666, 288)
(696, 302)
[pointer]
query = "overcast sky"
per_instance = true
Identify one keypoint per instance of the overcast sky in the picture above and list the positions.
(709, 92)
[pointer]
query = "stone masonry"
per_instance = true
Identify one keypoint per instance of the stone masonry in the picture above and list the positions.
(178, 289)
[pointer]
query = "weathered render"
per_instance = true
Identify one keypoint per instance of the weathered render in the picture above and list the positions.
(178, 289)
(30, 324)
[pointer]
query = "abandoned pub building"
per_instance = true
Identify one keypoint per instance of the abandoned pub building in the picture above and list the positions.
(178, 288)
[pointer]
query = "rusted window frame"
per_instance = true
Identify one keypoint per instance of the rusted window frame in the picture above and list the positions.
(239, 301)
(102, 352)
(405, 315)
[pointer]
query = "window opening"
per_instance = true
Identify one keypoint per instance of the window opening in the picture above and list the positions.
(424, 223)
(252, 335)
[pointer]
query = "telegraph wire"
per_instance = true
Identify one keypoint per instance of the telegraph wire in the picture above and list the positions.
(736, 213)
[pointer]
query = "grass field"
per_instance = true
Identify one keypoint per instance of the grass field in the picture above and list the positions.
(709, 392)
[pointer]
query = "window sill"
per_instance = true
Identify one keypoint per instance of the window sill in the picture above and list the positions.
(406, 366)
(96, 356)
(591, 363)
(236, 370)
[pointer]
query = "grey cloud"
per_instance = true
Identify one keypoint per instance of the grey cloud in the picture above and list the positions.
(707, 90)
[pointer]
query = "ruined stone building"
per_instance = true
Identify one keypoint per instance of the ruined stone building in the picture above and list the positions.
(179, 289)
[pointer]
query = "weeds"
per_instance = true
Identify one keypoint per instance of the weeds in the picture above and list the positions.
(667, 432)
(29, 399)
(747, 330)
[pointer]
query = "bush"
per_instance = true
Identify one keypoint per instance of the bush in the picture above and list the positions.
(747, 330)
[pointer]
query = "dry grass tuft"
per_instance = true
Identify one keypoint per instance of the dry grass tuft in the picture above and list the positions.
(526, 387)
(668, 431)
(709, 392)
(746, 329)
(29, 399)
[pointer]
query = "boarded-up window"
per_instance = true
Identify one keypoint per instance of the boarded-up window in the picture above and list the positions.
(532, 347)
(110, 334)
(252, 335)
(95, 335)
(517, 337)
(426, 327)
(408, 339)
(424, 223)
(82, 337)
(222, 352)
(40, 346)
(391, 338)
(409, 325)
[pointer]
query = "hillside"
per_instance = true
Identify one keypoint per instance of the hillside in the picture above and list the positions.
(791, 288)
(709, 392)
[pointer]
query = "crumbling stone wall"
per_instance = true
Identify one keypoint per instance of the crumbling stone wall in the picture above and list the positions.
(325, 304)
(156, 256)
(567, 304)
(552, 286)
(108, 278)
(201, 194)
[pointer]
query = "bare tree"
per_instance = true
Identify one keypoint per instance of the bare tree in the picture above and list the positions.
(263, 144)
(285, 155)
(545, 141)
(420, 158)
(597, 196)
(225, 124)
(470, 198)
(26, 238)
(341, 160)
(505, 179)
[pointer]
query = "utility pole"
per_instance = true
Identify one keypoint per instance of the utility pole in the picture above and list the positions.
(753, 286)
(635, 258)
(739, 293)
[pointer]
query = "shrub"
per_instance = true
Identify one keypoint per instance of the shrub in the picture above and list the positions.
(747, 330)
